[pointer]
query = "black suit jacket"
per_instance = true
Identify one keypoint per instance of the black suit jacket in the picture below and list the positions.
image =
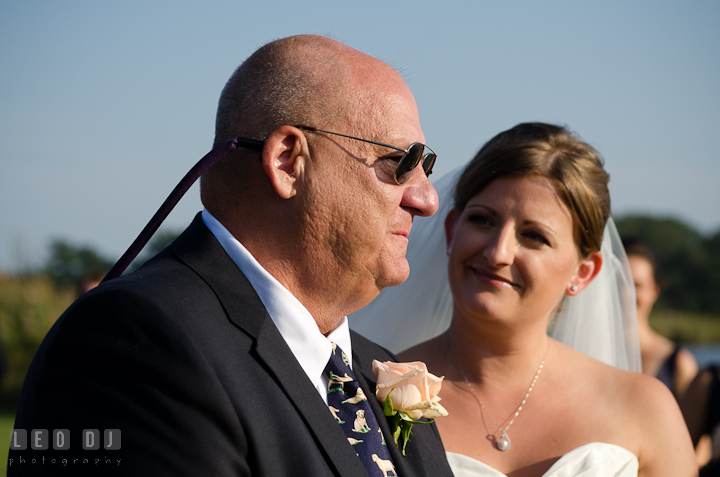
(182, 357)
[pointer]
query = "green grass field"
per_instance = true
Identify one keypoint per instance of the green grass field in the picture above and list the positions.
(686, 327)
(7, 419)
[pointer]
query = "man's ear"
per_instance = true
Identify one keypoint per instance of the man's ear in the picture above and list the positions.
(588, 268)
(450, 228)
(283, 158)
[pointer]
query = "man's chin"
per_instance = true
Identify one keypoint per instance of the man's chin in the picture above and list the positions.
(394, 275)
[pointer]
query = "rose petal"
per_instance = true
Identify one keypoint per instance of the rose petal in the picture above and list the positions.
(430, 409)
(412, 388)
(403, 397)
(414, 415)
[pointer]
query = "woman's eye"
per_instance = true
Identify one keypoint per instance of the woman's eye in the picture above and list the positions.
(479, 219)
(536, 237)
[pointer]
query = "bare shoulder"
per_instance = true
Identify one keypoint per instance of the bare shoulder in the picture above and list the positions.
(638, 398)
(643, 396)
(652, 426)
(666, 445)
(687, 369)
(687, 359)
(617, 384)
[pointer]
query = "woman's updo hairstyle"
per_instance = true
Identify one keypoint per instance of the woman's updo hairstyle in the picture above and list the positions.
(555, 153)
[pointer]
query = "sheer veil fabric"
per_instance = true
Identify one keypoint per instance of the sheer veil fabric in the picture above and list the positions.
(600, 321)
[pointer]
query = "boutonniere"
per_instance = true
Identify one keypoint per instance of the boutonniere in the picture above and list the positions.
(407, 392)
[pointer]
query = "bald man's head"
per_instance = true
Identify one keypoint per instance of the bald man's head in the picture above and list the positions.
(294, 80)
(307, 80)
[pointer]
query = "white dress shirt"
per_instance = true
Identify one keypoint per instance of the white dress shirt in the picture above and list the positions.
(295, 323)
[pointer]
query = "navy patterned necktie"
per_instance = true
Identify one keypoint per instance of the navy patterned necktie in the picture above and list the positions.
(350, 408)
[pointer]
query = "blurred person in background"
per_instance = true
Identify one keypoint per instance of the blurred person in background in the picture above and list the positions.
(668, 361)
(701, 409)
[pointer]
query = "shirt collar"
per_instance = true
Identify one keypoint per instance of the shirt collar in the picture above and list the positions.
(294, 322)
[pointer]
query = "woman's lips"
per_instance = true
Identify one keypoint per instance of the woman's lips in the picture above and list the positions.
(492, 279)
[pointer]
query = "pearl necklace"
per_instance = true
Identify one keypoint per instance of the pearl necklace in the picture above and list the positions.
(504, 442)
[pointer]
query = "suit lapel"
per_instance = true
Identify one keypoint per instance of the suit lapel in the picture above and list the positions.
(201, 251)
(274, 352)
(198, 248)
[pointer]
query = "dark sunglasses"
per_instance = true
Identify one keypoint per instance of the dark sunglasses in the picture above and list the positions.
(414, 155)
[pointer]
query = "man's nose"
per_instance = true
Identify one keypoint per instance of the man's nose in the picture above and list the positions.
(420, 195)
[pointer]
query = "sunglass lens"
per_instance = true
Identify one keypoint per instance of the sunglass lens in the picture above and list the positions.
(428, 163)
(408, 162)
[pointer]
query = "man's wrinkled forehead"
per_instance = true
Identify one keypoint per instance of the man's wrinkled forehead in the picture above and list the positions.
(358, 94)
(383, 107)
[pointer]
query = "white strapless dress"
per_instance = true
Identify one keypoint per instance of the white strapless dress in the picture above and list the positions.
(596, 459)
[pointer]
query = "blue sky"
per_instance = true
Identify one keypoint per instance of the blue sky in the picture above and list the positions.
(105, 105)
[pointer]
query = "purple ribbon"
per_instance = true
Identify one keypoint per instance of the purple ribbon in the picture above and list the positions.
(199, 169)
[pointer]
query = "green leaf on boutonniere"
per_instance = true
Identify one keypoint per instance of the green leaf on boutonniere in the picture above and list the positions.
(388, 407)
(400, 424)
(405, 436)
(410, 421)
(396, 434)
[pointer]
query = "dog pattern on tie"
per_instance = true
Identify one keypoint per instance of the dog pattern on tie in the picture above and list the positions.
(337, 383)
(350, 408)
(359, 396)
(360, 424)
(384, 465)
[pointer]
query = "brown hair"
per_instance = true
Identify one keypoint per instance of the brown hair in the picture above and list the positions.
(553, 152)
(637, 247)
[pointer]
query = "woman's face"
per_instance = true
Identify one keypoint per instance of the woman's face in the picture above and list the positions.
(512, 253)
(646, 289)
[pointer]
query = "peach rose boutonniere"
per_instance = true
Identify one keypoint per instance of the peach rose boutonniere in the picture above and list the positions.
(407, 392)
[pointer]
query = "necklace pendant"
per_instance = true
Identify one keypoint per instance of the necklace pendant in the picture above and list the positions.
(504, 442)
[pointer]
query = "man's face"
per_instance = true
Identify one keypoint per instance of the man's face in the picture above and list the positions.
(359, 218)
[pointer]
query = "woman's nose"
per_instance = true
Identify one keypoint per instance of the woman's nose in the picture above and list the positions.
(500, 251)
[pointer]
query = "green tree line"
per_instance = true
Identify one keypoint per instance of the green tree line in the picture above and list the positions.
(69, 265)
(688, 262)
